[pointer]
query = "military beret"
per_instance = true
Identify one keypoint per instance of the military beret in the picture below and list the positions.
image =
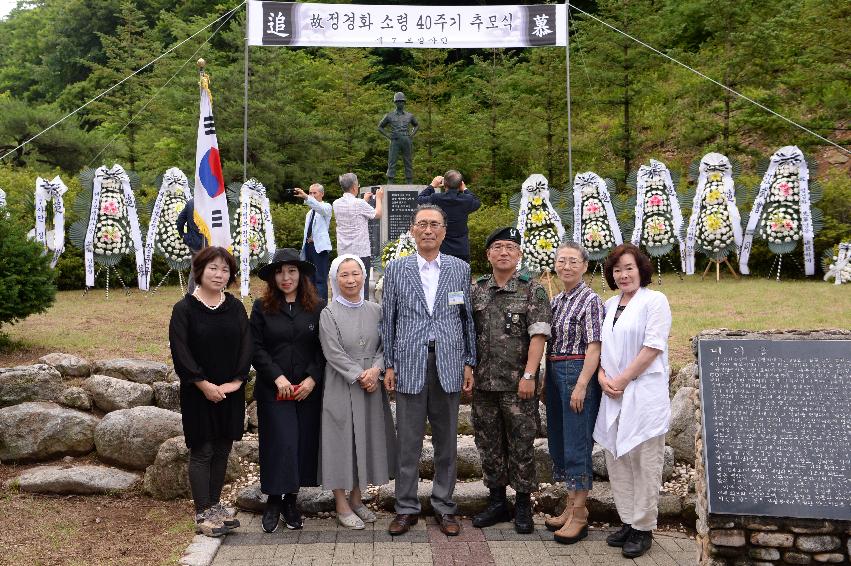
(508, 233)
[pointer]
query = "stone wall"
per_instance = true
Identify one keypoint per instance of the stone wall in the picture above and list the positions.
(763, 541)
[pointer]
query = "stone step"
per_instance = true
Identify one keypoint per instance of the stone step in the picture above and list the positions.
(75, 480)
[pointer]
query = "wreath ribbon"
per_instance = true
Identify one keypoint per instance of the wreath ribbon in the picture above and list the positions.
(245, 193)
(173, 180)
(50, 191)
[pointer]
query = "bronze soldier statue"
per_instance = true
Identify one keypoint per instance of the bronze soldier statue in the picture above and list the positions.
(513, 317)
(403, 127)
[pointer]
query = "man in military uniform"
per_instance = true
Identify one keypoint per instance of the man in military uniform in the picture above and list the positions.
(512, 316)
(403, 127)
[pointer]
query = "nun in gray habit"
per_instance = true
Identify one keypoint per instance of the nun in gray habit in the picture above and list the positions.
(358, 436)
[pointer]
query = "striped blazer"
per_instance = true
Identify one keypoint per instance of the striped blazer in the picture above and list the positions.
(406, 322)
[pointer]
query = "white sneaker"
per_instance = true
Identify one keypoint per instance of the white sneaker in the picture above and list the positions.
(350, 521)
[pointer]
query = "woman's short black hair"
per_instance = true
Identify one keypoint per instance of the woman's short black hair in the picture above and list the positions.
(208, 254)
(645, 268)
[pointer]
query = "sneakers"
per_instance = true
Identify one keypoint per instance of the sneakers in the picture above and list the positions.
(271, 516)
(292, 516)
(225, 515)
(637, 543)
(208, 524)
(618, 538)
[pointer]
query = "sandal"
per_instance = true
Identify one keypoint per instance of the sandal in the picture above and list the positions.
(365, 514)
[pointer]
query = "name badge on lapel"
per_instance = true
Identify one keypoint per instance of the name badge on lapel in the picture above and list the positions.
(456, 297)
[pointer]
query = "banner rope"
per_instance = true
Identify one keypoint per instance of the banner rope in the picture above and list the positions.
(122, 81)
(156, 94)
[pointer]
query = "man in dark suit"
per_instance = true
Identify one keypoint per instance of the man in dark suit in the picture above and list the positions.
(429, 352)
(192, 236)
(457, 202)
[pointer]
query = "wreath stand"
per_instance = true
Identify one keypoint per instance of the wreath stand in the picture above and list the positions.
(718, 269)
(598, 265)
(165, 277)
(108, 268)
(546, 279)
(779, 263)
(659, 267)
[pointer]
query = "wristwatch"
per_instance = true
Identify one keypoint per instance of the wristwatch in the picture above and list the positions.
(528, 376)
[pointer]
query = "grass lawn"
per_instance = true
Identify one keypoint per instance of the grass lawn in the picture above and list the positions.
(137, 325)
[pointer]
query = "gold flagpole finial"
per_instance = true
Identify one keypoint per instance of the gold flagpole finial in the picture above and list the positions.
(201, 64)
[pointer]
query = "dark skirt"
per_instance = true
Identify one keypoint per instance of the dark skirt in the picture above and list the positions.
(289, 443)
(205, 421)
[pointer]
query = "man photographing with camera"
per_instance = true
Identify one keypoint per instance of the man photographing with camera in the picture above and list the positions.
(457, 202)
(353, 215)
(316, 243)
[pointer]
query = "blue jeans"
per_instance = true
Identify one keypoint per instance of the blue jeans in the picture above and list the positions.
(320, 261)
(570, 434)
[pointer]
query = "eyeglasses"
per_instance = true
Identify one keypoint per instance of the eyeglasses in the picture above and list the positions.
(498, 247)
(434, 224)
(572, 262)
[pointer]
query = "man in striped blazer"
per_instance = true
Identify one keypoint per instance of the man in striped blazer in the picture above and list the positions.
(429, 352)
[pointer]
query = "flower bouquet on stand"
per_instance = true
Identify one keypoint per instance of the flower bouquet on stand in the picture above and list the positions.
(836, 263)
(782, 212)
(595, 224)
(714, 227)
(109, 223)
(541, 227)
(658, 219)
(163, 238)
(253, 233)
(394, 249)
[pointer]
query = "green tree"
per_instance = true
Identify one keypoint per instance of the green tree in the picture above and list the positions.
(26, 280)
(620, 67)
(64, 146)
(119, 112)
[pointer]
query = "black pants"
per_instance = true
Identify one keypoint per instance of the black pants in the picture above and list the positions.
(207, 466)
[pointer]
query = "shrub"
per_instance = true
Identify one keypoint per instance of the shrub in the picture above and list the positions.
(26, 280)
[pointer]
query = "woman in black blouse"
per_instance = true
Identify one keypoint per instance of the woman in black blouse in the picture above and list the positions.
(211, 351)
(289, 364)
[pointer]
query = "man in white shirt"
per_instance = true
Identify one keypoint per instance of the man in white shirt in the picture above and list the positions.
(352, 217)
(316, 242)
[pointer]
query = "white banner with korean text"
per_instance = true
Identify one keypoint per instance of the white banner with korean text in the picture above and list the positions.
(354, 25)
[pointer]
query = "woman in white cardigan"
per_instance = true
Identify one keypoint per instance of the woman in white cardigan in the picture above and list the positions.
(635, 411)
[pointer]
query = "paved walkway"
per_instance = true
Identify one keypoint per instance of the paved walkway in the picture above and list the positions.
(322, 542)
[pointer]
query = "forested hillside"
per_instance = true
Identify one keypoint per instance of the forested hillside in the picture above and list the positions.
(497, 115)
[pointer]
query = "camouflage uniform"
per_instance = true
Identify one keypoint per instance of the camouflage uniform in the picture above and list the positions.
(504, 424)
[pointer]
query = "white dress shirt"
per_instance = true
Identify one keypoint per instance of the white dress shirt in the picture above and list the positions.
(352, 228)
(321, 212)
(429, 276)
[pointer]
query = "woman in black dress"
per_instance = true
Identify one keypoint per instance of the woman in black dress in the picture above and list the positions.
(289, 363)
(211, 351)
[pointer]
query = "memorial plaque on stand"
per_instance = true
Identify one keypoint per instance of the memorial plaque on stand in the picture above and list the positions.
(400, 201)
(777, 427)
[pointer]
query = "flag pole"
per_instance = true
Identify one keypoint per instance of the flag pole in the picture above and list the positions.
(567, 71)
(245, 111)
